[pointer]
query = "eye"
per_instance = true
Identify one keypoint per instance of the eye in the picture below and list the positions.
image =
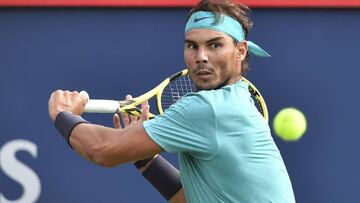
(215, 45)
(191, 46)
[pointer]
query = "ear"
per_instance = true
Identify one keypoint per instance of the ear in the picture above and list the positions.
(242, 49)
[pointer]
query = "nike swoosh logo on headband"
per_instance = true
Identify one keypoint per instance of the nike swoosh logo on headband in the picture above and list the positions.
(198, 19)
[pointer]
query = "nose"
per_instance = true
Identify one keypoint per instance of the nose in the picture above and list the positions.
(201, 56)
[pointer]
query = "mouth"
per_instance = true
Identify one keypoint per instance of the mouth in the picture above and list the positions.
(203, 73)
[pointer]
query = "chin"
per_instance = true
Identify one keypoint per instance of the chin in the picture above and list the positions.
(205, 87)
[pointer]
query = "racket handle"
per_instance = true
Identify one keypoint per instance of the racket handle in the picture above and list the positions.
(101, 106)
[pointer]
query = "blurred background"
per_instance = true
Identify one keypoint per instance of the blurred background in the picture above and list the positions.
(112, 48)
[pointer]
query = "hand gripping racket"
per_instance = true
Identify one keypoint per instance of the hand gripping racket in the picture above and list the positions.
(166, 93)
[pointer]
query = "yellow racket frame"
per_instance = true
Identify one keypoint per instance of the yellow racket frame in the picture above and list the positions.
(130, 106)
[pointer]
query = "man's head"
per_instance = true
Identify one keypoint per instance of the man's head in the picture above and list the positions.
(216, 51)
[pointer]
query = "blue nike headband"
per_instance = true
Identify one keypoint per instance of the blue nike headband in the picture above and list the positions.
(225, 25)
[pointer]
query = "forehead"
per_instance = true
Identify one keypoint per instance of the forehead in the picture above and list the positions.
(202, 35)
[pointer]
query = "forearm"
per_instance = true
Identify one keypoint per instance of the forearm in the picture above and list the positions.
(90, 142)
(103, 145)
(110, 147)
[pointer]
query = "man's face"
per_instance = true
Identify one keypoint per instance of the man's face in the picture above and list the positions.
(213, 59)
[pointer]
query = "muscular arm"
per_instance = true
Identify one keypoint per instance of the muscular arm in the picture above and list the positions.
(110, 147)
(107, 146)
(103, 145)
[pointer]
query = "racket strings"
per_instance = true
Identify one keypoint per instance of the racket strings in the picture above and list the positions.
(183, 85)
(175, 90)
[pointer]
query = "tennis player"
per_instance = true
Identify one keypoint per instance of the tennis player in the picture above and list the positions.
(225, 148)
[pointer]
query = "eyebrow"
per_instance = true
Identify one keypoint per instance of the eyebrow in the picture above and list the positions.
(207, 42)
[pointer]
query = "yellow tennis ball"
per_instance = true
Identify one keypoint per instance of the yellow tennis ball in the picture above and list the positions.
(289, 124)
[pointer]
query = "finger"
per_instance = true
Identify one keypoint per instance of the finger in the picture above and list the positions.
(126, 119)
(67, 97)
(75, 96)
(145, 108)
(116, 121)
(67, 94)
(84, 96)
(78, 102)
(55, 103)
(128, 97)
(131, 117)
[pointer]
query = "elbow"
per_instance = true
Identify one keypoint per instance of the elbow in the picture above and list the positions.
(101, 155)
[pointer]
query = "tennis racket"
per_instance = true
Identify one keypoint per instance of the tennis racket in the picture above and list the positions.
(166, 93)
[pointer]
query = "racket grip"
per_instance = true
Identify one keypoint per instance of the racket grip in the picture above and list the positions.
(101, 106)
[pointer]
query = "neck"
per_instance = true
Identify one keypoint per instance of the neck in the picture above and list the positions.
(229, 81)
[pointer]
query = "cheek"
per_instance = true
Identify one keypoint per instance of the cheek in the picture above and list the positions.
(223, 60)
(231, 58)
(226, 64)
(187, 58)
